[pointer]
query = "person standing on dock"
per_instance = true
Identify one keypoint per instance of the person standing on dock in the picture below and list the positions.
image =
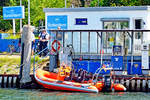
(33, 43)
(43, 39)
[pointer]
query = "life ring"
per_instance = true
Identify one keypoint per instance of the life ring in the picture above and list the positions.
(58, 48)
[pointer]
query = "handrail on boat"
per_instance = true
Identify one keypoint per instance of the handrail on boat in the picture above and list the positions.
(99, 70)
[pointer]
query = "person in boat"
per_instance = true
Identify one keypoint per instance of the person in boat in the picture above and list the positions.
(81, 76)
(61, 73)
(64, 71)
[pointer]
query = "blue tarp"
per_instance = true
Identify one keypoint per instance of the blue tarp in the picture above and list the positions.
(4, 44)
(90, 66)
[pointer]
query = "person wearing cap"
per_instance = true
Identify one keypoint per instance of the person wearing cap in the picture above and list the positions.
(43, 39)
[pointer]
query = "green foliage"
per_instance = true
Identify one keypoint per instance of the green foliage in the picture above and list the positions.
(38, 5)
(5, 24)
(11, 63)
(94, 3)
(11, 36)
(126, 2)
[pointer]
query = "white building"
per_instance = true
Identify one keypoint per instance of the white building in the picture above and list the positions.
(134, 17)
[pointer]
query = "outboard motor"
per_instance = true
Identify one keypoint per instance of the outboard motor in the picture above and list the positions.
(107, 83)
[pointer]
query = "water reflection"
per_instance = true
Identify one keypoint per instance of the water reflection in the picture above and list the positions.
(21, 94)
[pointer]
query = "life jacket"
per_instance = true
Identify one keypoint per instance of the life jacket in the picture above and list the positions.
(63, 72)
(43, 36)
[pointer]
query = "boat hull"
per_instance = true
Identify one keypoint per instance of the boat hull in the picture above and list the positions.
(45, 79)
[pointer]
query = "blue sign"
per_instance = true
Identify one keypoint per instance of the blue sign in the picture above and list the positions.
(135, 69)
(81, 21)
(15, 12)
(117, 62)
(53, 22)
(117, 50)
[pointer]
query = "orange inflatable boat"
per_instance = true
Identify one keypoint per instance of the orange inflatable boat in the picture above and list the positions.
(50, 80)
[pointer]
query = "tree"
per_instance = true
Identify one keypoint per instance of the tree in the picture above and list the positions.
(37, 6)
(4, 25)
(94, 3)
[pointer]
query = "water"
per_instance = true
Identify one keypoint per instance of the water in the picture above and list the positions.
(20, 94)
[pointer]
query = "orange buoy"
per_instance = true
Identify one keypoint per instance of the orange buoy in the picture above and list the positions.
(119, 87)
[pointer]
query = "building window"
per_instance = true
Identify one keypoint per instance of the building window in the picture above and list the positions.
(81, 21)
(138, 23)
(112, 38)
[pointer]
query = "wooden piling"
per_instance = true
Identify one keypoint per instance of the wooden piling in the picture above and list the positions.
(0, 81)
(138, 85)
(144, 86)
(135, 85)
(148, 85)
(12, 81)
(127, 84)
(141, 85)
(7, 81)
(132, 85)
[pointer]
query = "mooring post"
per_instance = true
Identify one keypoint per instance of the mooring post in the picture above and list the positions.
(26, 40)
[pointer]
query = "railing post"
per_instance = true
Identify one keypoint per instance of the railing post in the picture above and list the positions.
(89, 42)
(80, 42)
(72, 38)
(97, 43)
(63, 39)
(101, 48)
(132, 44)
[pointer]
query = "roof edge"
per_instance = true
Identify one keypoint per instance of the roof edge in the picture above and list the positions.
(88, 9)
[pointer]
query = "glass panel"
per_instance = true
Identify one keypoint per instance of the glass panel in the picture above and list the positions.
(99, 44)
(68, 39)
(124, 25)
(76, 41)
(84, 44)
(93, 42)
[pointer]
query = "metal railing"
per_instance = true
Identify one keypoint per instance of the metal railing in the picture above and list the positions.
(92, 41)
(35, 63)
